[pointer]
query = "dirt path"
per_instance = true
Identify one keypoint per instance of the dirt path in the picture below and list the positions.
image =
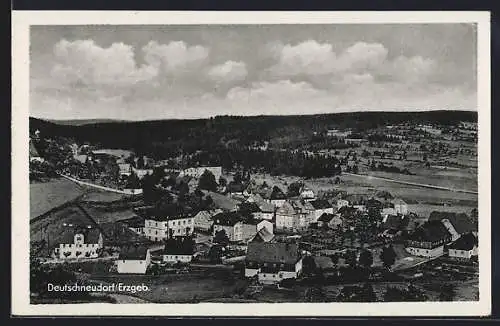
(412, 183)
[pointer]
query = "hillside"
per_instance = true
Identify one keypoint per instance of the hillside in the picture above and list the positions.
(190, 135)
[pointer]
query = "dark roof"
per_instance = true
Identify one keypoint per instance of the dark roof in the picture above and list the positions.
(90, 235)
(277, 194)
(172, 212)
(460, 221)
(227, 218)
(249, 207)
(325, 217)
(263, 236)
(236, 187)
(273, 252)
(133, 252)
(395, 222)
(134, 222)
(179, 247)
(221, 201)
(430, 231)
(465, 242)
(320, 204)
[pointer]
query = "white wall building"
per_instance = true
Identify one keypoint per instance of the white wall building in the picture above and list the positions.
(133, 260)
(81, 243)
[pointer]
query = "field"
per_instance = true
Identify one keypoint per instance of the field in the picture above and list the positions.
(45, 196)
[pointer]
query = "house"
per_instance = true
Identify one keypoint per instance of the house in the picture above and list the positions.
(320, 207)
(285, 217)
(203, 220)
(388, 211)
(266, 211)
(175, 223)
(197, 172)
(464, 248)
(304, 213)
(79, 242)
(273, 262)
(251, 227)
(338, 133)
(135, 224)
(231, 223)
(342, 203)
(33, 153)
(133, 259)
(178, 250)
(125, 169)
(263, 235)
(307, 194)
(400, 206)
(393, 225)
(234, 188)
(333, 221)
(457, 223)
(222, 202)
(355, 141)
(428, 240)
(276, 196)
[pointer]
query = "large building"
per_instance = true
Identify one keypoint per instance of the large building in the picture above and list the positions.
(79, 242)
(428, 240)
(273, 262)
(464, 248)
(175, 224)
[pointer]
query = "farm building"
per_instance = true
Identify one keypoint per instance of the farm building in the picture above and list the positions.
(428, 240)
(133, 259)
(464, 248)
(273, 262)
(178, 250)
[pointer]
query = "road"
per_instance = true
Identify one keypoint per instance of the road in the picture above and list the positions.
(412, 183)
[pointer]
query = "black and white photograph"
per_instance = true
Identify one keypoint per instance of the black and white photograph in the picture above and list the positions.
(219, 164)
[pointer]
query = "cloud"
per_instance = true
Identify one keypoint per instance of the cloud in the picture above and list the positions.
(311, 59)
(174, 56)
(230, 71)
(84, 62)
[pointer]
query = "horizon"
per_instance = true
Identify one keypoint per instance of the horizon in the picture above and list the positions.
(254, 116)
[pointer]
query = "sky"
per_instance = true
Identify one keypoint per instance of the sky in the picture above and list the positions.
(146, 72)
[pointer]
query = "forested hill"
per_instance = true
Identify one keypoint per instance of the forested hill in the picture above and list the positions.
(205, 133)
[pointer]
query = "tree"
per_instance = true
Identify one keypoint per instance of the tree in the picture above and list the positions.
(350, 258)
(207, 181)
(133, 181)
(388, 256)
(335, 259)
(309, 265)
(350, 293)
(222, 181)
(366, 258)
(294, 189)
(221, 238)
(183, 189)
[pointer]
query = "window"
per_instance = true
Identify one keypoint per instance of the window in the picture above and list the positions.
(176, 257)
(184, 222)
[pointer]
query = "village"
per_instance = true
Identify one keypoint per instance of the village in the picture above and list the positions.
(396, 220)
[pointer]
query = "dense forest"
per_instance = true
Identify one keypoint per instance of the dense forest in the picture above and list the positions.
(166, 138)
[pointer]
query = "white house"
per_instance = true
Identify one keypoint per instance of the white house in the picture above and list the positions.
(252, 227)
(400, 206)
(197, 172)
(342, 203)
(125, 169)
(133, 259)
(273, 262)
(320, 207)
(203, 220)
(285, 217)
(231, 223)
(464, 248)
(82, 242)
(307, 194)
(161, 228)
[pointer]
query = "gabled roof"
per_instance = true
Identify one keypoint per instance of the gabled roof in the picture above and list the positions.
(430, 231)
(223, 202)
(466, 242)
(276, 194)
(398, 201)
(320, 204)
(179, 247)
(227, 218)
(266, 207)
(325, 217)
(394, 222)
(263, 236)
(273, 252)
(460, 221)
(90, 235)
(133, 252)
(249, 207)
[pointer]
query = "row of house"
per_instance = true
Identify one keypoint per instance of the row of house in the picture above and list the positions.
(444, 232)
